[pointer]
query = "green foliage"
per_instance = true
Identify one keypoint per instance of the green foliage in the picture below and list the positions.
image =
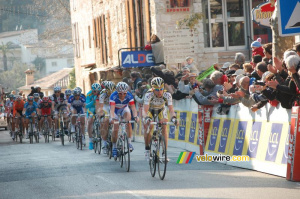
(39, 63)
(72, 83)
(5, 49)
(13, 79)
(190, 21)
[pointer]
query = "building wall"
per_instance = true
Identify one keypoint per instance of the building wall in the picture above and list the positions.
(81, 14)
(61, 63)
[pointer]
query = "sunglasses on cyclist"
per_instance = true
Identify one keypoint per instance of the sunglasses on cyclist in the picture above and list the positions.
(122, 93)
(57, 92)
(158, 89)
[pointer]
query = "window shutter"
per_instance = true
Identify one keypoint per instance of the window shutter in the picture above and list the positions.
(100, 39)
(104, 39)
(148, 20)
(128, 24)
(140, 24)
(132, 23)
(110, 55)
(95, 33)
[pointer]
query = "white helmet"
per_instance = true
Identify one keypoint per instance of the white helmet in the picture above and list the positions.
(122, 87)
(57, 88)
(110, 86)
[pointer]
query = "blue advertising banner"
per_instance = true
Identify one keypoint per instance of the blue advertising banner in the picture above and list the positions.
(137, 58)
(182, 126)
(254, 139)
(286, 150)
(273, 144)
(214, 134)
(224, 136)
(193, 128)
(240, 138)
(289, 17)
(172, 130)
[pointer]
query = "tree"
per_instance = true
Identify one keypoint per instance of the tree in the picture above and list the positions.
(5, 49)
(40, 64)
(280, 44)
(14, 78)
(72, 83)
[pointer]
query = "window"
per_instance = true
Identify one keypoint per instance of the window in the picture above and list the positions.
(76, 39)
(224, 23)
(54, 64)
(89, 33)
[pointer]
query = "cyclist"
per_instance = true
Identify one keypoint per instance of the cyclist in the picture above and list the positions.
(59, 104)
(68, 93)
(44, 108)
(18, 107)
(9, 109)
(91, 98)
(154, 106)
(76, 104)
(37, 99)
(102, 107)
(119, 101)
(30, 109)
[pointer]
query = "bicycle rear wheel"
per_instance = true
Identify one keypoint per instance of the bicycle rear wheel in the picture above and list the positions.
(162, 157)
(99, 145)
(95, 143)
(20, 136)
(152, 158)
(126, 153)
(109, 150)
(30, 133)
(62, 133)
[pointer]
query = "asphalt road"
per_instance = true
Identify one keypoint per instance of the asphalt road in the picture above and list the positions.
(54, 171)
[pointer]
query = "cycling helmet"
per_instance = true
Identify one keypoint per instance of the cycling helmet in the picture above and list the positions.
(68, 92)
(19, 98)
(11, 96)
(57, 88)
(45, 99)
(96, 86)
(77, 88)
(157, 82)
(30, 98)
(36, 95)
(110, 86)
(122, 87)
(76, 92)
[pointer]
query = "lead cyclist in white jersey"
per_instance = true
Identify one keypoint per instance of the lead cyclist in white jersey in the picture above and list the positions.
(155, 101)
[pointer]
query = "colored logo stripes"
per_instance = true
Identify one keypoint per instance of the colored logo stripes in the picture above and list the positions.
(185, 157)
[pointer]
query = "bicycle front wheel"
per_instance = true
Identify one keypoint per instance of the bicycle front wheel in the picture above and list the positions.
(95, 143)
(162, 158)
(62, 134)
(152, 158)
(126, 153)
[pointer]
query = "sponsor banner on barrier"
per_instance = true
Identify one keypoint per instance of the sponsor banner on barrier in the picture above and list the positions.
(240, 138)
(226, 128)
(273, 143)
(213, 134)
(193, 127)
(204, 116)
(254, 139)
(172, 129)
(182, 125)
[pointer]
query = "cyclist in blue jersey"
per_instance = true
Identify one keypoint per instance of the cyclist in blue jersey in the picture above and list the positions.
(91, 98)
(76, 104)
(119, 101)
(30, 109)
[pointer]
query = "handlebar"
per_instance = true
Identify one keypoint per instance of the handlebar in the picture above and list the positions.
(78, 115)
(124, 122)
(163, 123)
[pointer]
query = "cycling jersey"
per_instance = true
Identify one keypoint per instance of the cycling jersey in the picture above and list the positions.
(18, 106)
(119, 105)
(77, 104)
(45, 109)
(30, 108)
(157, 105)
(59, 101)
(91, 102)
(104, 99)
(38, 102)
(155, 102)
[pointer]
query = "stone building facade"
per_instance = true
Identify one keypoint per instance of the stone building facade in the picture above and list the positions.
(102, 27)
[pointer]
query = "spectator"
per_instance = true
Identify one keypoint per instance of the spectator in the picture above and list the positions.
(166, 74)
(190, 65)
(257, 48)
(293, 66)
(148, 46)
(261, 68)
(268, 52)
(208, 96)
(297, 48)
(248, 69)
(135, 78)
(234, 67)
(157, 49)
(192, 83)
(239, 59)
(225, 66)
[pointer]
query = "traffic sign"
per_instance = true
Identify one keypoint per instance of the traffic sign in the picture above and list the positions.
(289, 17)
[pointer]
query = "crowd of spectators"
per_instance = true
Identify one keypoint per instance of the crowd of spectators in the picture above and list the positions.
(254, 84)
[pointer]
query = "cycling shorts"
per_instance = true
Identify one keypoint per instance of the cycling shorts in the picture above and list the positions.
(160, 113)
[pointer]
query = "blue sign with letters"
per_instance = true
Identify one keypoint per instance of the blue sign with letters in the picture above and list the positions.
(224, 136)
(289, 17)
(137, 58)
(240, 138)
